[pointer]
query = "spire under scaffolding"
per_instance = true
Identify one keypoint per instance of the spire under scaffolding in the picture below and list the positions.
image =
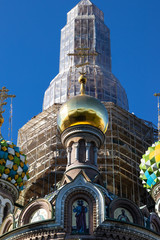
(85, 43)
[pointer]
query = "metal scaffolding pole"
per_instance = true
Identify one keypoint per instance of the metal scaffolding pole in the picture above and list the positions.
(158, 95)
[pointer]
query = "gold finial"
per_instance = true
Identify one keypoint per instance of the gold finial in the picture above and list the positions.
(3, 96)
(82, 80)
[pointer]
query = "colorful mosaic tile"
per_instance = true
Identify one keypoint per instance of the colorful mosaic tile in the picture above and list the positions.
(150, 166)
(13, 164)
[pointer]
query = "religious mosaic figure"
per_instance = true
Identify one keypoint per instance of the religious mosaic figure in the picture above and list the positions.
(123, 216)
(80, 215)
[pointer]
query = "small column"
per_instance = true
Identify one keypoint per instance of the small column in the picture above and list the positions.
(95, 155)
(1, 212)
(88, 152)
(76, 148)
(69, 149)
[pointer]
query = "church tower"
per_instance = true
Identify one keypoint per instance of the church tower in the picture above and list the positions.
(84, 154)
(85, 47)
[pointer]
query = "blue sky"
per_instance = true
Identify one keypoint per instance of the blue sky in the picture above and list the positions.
(30, 44)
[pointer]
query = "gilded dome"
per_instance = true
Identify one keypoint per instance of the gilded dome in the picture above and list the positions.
(150, 166)
(83, 109)
(13, 164)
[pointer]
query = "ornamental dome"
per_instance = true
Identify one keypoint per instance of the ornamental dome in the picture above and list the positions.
(83, 109)
(150, 166)
(13, 164)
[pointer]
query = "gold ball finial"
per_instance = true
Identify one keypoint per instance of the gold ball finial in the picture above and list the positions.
(82, 80)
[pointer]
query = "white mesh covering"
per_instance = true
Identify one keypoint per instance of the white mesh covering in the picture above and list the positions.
(85, 27)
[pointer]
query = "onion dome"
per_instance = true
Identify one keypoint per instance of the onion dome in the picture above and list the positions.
(150, 166)
(13, 164)
(82, 109)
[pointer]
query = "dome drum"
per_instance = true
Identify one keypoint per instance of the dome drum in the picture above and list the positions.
(82, 143)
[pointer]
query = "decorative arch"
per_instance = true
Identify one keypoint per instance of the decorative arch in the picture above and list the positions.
(4, 201)
(88, 191)
(6, 207)
(130, 206)
(75, 196)
(7, 224)
(154, 222)
(32, 207)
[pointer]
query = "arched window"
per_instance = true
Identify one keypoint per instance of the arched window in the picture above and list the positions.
(6, 210)
(82, 151)
(7, 224)
(38, 210)
(80, 206)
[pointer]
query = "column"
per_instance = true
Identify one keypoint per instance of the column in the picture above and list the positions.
(88, 152)
(1, 212)
(95, 155)
(69, 149)
(76, 149)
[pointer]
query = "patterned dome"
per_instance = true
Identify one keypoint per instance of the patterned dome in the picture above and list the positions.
(13, 164)
(150, 166)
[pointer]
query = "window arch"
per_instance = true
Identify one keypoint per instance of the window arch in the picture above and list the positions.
(6, 210)
(127, 211)
(33, 208)
(7, 224)
(89, 212)
(82, 151)
(154, 222)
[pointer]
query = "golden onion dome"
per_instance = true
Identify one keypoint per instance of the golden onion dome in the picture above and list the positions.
(83, 109)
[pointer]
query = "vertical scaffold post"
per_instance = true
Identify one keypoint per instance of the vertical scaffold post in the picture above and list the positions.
(3, 97)
(158, 95)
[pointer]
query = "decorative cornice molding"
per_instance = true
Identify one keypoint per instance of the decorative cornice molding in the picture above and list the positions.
(82, 166)
(124, 231)
(9, 189)
(38, 229)
(109, 229)
(81, 130)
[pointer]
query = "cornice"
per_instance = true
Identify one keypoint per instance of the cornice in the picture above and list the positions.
(9, 189)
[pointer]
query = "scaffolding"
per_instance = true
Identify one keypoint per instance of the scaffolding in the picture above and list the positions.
(85, 29)
(126, 140)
